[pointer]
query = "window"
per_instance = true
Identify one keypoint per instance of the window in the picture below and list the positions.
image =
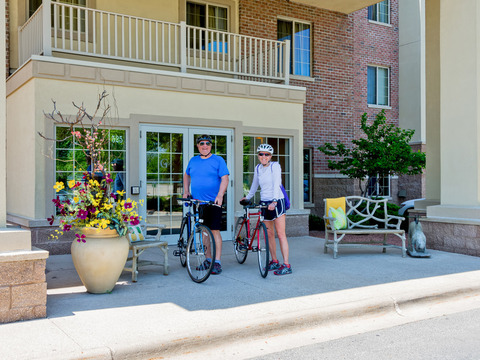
(307, 175)
(281, 154)
(380, 12)
(71, 162)
(208, 17)
(378, 79)
(379, 186)
(74, 15)
(33, 5)
(300, 53)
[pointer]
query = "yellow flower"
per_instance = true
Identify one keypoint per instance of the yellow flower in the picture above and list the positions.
(71, 183)
(121, 192)
(108, 206)
(75, 199)
(58, 186)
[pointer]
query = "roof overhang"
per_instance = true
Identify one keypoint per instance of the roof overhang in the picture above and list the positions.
(343, 6)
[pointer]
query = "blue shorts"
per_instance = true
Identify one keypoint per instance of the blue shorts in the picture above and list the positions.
(279, 210)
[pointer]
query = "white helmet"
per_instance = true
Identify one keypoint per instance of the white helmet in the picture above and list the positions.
(265, 147)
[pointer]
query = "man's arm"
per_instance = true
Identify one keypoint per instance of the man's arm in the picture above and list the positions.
(186, 185)
(221, 191)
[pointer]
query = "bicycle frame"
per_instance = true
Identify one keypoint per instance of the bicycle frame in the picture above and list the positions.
(246, 222)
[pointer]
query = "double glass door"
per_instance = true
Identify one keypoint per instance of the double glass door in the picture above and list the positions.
(164, 155)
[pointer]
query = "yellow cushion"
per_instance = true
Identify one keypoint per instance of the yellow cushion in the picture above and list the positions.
(340, 218)
(136, 233)
(336, 203)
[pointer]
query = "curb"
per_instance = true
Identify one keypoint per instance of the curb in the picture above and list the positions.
(282, 317)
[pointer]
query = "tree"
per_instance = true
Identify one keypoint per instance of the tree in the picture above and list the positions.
(383, 151)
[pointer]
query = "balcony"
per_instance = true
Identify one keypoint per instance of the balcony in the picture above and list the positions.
(59, 28)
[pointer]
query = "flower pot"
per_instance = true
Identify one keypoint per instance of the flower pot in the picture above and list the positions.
(100, 260)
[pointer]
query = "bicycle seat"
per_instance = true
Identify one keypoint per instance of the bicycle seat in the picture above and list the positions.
(245, 202)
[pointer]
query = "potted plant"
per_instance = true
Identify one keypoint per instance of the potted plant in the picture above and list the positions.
(99, 217)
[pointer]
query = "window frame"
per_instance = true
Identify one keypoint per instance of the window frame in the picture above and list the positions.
(74, 173)
(247, 176)
(307, 159)
(207, 5)
(381, 185)
(292, 45)
(376, 9)
(376, 104)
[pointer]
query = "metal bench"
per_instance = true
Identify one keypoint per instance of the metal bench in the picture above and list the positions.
(365, 209)
(139, 246)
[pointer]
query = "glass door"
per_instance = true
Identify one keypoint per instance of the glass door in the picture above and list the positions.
(164, 155)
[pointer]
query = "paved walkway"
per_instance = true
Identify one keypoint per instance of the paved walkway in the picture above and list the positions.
(160, 316)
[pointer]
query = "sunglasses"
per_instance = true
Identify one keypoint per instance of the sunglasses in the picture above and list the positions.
(264, 154)
(208, 143)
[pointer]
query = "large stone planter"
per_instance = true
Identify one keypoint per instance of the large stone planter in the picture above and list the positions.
(100, 260)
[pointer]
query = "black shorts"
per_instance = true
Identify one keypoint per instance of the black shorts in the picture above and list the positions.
(211, 215)
(279, 210)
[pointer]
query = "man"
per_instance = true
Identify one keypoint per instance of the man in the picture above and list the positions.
(207, 174)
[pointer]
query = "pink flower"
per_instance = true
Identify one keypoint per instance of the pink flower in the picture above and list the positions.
(80, 238)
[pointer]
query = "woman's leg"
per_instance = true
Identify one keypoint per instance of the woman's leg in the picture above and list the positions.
(272, 246)
(282, 237)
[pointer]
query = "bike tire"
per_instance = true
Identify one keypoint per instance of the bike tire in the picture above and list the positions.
(240, 241)
(263, 252)
(182, 242)
(201, 244)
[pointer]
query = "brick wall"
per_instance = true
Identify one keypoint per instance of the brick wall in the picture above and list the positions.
(342, 46)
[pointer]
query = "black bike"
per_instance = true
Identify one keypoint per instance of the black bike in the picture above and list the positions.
(196, 242)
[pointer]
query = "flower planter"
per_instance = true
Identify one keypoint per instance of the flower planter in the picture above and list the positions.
(99, 260)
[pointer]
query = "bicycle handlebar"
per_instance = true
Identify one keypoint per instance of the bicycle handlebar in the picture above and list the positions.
(196, 201)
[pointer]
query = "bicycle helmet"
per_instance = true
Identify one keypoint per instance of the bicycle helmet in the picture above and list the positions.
(265, 147)
(204, 137)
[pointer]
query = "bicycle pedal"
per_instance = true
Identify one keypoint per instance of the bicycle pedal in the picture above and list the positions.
(177, 253)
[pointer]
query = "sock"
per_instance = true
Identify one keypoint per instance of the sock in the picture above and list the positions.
(218, 262)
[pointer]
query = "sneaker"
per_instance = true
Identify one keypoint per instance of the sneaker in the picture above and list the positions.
(283, 270)
(217, 268)
(204, 266)
(273, 265)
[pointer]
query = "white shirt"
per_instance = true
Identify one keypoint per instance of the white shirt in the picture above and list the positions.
(269, 178)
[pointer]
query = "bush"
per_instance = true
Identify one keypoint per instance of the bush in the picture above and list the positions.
(315, 222)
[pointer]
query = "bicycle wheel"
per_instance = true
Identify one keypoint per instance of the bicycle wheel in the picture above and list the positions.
(261, 239)
(200, 246)
(182, 242)
(240, 242)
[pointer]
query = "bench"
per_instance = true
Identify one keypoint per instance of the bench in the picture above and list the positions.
(364, 209)
(137, 247)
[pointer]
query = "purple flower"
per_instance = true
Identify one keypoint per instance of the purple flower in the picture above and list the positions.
(134, 220)
(128, 205)
(67, 227)
(82, 214)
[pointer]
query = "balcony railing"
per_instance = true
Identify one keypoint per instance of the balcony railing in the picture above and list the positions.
(60, 27)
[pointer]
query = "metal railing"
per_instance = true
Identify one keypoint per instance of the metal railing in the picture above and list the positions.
(66, 28)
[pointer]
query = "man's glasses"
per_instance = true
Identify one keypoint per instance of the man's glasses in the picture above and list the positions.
(202, 143)
(264, 154)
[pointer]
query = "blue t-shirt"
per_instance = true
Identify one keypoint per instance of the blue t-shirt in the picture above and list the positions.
(206, 176)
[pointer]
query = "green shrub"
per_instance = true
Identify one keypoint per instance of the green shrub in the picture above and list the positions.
(315, 222)
(392, 209)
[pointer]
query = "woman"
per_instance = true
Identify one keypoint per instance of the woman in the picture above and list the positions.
(269, 176)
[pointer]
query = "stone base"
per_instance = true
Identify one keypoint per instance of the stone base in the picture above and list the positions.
(452, 236)
(23, 286)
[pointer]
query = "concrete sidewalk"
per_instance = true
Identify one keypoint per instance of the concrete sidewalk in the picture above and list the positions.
(165, 316)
